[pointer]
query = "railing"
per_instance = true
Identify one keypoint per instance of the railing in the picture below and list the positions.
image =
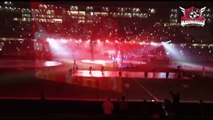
(93, 109)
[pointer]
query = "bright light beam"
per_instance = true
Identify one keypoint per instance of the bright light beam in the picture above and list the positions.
(57, 47)
(174, 53)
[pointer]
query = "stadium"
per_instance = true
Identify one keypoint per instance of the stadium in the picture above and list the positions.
(64, 59)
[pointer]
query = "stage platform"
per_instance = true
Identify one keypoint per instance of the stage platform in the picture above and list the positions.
(127, 74)
(54, 82)
(26, 64)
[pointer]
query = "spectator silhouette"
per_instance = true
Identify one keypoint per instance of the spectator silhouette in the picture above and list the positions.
(43, 99)
(120, 73)
(108, 107)
(90, 70)
(145, 74)
(146, 109)
(75, 67)
(154, 73)
(43, 105)
(102, 70)
(167, 75)
(201, 109)
(156, 110)
(175, 102)
(167, 108)
(123, 107)
(179, 72)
